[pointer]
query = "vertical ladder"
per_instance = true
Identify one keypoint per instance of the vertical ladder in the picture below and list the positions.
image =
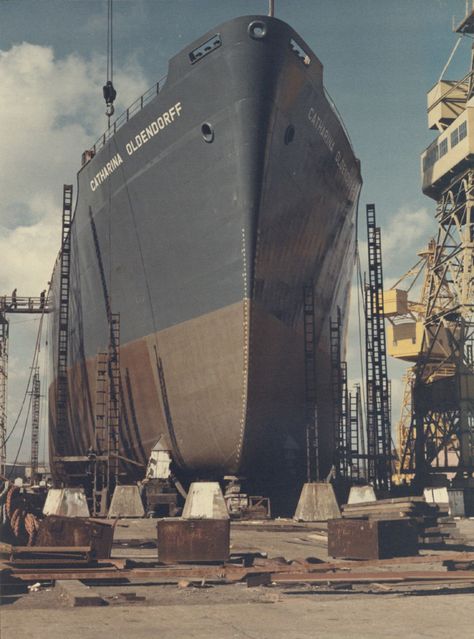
(312, 440)
(371, 417)
(101, 395)
(115, 405)
(107, 419)
(35, 416)
(112, 400)
(378, 401)
(344, 437)
(101, 466)
(3, 389)
(337, 394)
(62, 354)
(354, 404)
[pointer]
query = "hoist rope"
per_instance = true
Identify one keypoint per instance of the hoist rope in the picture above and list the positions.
(110, 45)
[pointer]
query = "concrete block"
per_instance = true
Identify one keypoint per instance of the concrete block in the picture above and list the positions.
(205, 501)
(317, 503)
(68, 502)
(361, 494)
(436, 495)
(126, 502)
(453, 498)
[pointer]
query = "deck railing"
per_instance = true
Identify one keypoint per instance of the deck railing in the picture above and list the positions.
(124, 117)
(339, 117)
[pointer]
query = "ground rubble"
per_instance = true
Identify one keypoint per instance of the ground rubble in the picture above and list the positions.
(279, 562)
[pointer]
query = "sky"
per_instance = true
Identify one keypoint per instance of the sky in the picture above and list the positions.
(380, 58)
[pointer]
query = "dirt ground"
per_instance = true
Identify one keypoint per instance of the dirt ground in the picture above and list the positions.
(236, 611)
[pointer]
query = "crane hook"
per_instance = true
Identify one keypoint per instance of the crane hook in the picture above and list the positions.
(109, 96)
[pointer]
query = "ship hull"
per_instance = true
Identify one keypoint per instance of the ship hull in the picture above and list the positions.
(202, 237)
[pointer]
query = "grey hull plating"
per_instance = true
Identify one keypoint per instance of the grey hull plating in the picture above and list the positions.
(206, 246)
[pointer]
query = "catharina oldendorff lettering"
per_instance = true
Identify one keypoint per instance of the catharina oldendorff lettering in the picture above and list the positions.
(153, 128)
(349, 177)
(106, 170)
(133, 145)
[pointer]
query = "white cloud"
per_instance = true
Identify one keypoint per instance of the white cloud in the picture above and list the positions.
(50, 111)
(406, 234)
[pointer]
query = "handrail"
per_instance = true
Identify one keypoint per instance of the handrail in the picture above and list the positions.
(31, 304)
(124, 117)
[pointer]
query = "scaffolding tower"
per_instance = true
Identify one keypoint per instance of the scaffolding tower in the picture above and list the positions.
(353, 435)
(10, 305)
(378, 396)
(63, 324)
(346, 411)
(338, 396)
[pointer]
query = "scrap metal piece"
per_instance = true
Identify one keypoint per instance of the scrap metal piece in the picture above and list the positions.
(74, 531)
(181, 540)
(372, 539)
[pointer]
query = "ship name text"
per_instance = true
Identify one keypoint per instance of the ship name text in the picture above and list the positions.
(105, 171)
(153, 128)
(133, 145)
(348, 177)
(321, 128)
(346, 174)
